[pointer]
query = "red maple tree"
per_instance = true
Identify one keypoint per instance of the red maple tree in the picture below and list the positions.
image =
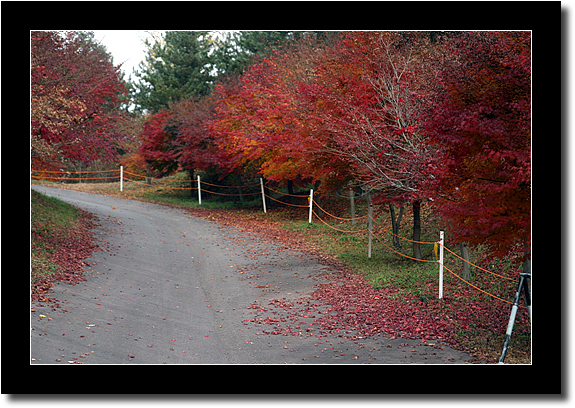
(75, 96)
(482, 131)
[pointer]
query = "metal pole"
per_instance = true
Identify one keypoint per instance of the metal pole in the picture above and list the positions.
(263, 194)
(310, 204)
(121, 178)
(441, 242)
(512, 317)
(199, 191)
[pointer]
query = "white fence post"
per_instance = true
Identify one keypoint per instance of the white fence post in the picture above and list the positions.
(441, 242)
(199, 191)
(263, 194)
(310, 204)
(121, 178)
(369, 225)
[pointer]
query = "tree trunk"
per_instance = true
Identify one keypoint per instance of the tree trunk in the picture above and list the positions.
(395, 224)
(192, 193)
(316, 198)
(417, 229)
(290, 191)
(466, 267)
(267, 193)
(352, 206)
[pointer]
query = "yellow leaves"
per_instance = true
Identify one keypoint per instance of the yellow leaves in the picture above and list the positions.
(55, 109)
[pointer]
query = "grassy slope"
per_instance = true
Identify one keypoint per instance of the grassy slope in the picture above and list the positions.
(49, 218)
(59, 239)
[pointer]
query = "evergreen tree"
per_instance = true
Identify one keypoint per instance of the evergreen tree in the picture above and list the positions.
(177, 66)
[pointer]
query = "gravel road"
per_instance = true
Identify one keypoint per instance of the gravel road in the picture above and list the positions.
(171, 288)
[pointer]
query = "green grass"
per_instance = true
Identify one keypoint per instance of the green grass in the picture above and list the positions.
(384, 269)
(48, 218)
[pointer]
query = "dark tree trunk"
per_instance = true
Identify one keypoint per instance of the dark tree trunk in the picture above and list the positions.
(316, 198)
(417, 229)
(290, 191)
(465, 255)
(395, 224)
(240, 188)
(192, 184)
(352, 206)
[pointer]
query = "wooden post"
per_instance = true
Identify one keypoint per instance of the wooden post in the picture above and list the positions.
(199, 191)
(465, 255)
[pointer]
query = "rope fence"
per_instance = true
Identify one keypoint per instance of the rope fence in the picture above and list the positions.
(131, 177)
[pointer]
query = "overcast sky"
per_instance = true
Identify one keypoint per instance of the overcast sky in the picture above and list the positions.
(126, 46)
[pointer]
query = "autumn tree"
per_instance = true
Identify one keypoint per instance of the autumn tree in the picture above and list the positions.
(481, 126)
(263, 125)
(367, 99)
(76, 93)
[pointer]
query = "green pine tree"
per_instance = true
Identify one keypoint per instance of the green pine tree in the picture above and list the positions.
(177, 66)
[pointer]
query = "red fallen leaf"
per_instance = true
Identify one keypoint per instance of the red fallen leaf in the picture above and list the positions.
(150, 345)
(109, 323)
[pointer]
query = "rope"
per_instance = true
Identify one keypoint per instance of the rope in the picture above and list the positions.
(337, 229)
(73, 178)
(338, 218)
(481, 290)
(485, 270)
(406, 256)
(217, 185)
(286, 194)
(293, 205)
(138, 182)
(405, 239)
(74, 171)
(225, 194)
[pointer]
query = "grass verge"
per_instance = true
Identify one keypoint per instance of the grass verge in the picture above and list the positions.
(59, 239)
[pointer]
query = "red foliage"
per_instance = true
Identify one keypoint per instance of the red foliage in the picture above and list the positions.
(158, 146)
(75, 93)
(482, 131)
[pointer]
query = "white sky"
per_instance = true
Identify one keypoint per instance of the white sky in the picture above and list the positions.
(126, 46)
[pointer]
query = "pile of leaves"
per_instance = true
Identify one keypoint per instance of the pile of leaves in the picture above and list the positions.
(60, 239)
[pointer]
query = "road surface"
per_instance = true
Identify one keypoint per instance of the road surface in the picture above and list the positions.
(171, 288)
